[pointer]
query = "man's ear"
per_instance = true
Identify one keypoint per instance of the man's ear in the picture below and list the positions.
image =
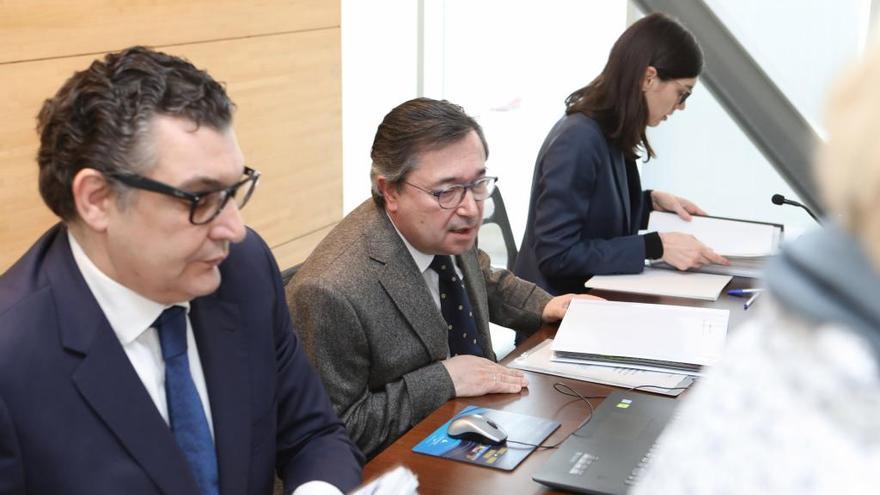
(390, 192)
(650, 78)
(93, 198)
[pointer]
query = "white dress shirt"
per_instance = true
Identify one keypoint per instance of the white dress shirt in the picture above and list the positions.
(130, 316)
(423, 262)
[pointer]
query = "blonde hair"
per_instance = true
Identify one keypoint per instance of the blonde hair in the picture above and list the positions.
(848, 165)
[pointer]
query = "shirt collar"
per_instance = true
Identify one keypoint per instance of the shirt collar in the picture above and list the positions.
(128, 312)
(423, 261)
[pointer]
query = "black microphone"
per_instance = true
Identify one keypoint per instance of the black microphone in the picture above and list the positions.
(779, 199)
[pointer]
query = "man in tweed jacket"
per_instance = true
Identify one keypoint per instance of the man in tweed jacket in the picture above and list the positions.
(366, 303)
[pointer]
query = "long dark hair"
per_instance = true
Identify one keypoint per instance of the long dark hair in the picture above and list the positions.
(615, 99)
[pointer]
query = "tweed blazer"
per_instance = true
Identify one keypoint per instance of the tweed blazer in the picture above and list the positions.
(376, 336)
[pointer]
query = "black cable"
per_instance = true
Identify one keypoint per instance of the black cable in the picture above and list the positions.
(559, 386)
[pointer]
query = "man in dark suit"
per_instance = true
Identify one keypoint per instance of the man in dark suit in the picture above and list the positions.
(145, 346)
(394, 326)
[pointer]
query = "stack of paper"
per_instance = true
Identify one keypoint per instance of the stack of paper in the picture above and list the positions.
(540, 360)
(746, 244)
(703, 286)
(641, 336)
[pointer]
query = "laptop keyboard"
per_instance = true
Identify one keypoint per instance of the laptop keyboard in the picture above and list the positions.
(581, 461)
(637, 471)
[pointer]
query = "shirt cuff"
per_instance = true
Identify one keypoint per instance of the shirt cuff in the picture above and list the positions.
(653, 246)
(317, 488)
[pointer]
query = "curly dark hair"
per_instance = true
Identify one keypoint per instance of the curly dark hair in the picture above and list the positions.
(101, 116)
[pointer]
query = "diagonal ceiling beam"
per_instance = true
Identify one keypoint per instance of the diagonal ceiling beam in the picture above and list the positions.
(749, 96)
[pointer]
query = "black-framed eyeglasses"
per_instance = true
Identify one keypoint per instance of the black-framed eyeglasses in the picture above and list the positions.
(204, 206)
(684, 96)
(451, 196)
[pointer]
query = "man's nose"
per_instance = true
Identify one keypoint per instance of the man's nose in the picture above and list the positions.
(229, 224)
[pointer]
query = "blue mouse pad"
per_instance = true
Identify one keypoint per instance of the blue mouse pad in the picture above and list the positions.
(519, 427)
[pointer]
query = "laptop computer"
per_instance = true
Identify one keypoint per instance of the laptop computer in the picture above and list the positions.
(607, 454)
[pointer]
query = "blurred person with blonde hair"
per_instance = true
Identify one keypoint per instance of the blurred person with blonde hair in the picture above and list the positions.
(795, 405)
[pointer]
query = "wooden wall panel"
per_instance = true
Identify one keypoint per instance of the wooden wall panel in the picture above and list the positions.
(297, 250)
(55, 28)
(287, 88)
(288, 124)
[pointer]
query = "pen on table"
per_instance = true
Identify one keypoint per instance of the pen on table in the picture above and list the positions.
(751, 300)
(742, 292)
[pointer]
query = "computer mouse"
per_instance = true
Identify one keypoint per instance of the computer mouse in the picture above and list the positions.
(476, 427)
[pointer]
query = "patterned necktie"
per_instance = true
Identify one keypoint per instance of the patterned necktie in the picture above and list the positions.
(456, 309)
(185, 412)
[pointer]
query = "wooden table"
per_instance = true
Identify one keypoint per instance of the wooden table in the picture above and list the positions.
(444, 476)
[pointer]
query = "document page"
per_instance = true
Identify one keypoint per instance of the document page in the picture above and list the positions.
(727, 237)
(540, 360)
(662, 282)
(658, 332)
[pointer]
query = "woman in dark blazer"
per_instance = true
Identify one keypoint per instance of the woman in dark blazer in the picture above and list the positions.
(587, 202)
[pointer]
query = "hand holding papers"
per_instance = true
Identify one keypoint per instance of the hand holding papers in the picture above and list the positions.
(745, 244)
(642, 336)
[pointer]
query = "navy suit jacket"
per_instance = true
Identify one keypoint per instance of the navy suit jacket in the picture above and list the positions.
(585, 210)
(76, 419)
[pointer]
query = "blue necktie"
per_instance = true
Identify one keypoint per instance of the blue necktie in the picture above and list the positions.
(185, 412)
(456, 309)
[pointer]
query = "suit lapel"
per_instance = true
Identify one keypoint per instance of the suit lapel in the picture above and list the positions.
(110, 385)
(216, 325)
(107, 380)
(401, 279)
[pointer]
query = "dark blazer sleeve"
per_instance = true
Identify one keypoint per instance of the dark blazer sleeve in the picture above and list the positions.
(312, 443)
(341, 348)
(571, 210)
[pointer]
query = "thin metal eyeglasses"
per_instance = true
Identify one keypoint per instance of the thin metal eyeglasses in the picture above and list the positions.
(452, 196)
(684, 96)
(204, 206)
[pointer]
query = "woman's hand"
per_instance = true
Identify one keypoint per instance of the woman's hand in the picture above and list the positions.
(663, 201)
(685, 251)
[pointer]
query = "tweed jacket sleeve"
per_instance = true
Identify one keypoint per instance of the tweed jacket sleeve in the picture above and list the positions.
(513, 302)
(353, 353)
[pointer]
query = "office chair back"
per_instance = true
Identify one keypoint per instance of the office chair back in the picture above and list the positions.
(497, 240)
(287, 274)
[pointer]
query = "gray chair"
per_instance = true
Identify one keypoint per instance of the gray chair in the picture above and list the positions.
(496, 237)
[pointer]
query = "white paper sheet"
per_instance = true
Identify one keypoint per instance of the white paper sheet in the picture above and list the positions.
(540, 360)
(662, 282)
(726, 237)
(658, 332)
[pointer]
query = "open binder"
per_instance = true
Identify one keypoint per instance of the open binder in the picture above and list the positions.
(746, 244)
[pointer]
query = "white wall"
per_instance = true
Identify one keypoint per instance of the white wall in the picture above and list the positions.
(379, 71)
(702, 153)
(511, 63)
